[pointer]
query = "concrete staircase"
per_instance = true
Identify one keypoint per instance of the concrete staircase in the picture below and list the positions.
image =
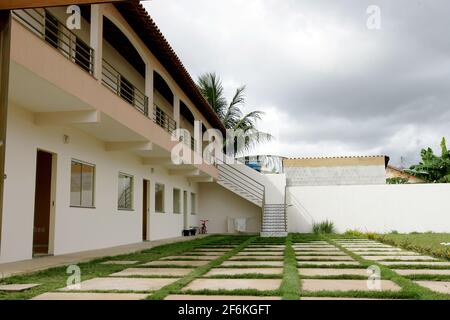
(274, 221)
(252, 186)
(237, 179)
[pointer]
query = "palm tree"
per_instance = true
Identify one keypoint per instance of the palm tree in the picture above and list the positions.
(231, 115)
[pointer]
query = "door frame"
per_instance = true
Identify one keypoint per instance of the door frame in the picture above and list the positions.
(52, 213)
(146, 211)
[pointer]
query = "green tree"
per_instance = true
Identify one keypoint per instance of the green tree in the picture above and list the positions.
(231, 115)
(433, 168)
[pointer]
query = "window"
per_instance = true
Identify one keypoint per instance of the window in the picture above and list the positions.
(125, 192)
(51, 30)
(193, 204)
(82, 184)
(159, 197)
(176, 201)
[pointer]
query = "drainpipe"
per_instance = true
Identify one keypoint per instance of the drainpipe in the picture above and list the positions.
(5, 46)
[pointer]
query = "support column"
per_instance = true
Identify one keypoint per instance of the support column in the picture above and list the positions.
(149, 85)
(5, 45)
(97, 38)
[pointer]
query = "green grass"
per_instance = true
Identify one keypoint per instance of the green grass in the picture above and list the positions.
(290, 286)
(55, 278)
(425, 243)
(409, 288)
(197, 273)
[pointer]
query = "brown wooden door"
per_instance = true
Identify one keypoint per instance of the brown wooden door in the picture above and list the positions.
(145, 210)
(42, 203)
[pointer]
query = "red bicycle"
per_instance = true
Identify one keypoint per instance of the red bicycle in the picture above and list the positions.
(203, 228)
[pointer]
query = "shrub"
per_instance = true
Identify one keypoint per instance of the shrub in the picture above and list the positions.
(325, 227)
(354, 233)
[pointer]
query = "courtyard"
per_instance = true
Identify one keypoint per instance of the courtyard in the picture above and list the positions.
(297, 267)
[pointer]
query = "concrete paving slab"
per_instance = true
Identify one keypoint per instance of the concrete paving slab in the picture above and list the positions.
(262, 258)
(398, 257)
(204, 253)
(176, 263)
(325, 258)
(211, 250)
(328, 263)
(310, 285)
(336, 298)
(313, 246)
(85, 296)
(148, 272)
(317, 249)
(119, 262)
(409, 272)
(266, 246)
(436, 286)
(416, 263)
(216, 297)
(311, 272)
(374, 249)
(241, 271)
(252, 263)
(320, 253)
(263, 250)
(387, 253)
(233, 284)
(349, 246)
(204, 257)
(122, 284)
(17, 287)
(267, 253)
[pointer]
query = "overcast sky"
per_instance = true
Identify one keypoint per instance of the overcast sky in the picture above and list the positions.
(329, 85)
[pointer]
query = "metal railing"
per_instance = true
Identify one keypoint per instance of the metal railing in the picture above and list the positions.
(241, 181)
(301, 208)
(163, 120)
(118, 84)
(43, 24)
(193, 143)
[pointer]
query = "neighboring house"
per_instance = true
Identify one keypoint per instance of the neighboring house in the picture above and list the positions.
(393, 172)
(88, 152)
(335, 171)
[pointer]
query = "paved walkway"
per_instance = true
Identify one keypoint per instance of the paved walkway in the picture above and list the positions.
(327, 272)
(42, 263)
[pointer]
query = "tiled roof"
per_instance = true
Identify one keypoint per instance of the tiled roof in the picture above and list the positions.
(148, 31)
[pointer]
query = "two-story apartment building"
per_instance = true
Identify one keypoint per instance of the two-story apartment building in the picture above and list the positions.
(88, 155)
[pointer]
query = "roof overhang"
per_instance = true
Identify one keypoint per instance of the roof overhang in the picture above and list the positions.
(25, 4)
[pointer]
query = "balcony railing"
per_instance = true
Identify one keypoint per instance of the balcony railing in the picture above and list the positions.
(163, 120)
(55, 33)
(118, 84)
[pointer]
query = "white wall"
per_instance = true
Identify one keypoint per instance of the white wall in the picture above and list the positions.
(382, 208)
(218, 204)
(335, 175)
(78, 229)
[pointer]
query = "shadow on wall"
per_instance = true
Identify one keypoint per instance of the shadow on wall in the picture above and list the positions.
(303, 221)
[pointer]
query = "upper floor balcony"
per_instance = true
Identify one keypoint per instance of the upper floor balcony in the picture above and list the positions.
(107, 52)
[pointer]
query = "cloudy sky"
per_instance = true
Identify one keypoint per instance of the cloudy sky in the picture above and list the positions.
(329, 85)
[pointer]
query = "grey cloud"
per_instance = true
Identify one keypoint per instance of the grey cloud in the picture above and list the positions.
(339, 88)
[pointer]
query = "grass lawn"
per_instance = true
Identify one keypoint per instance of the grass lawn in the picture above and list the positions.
(425, 243)
(291, 280)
